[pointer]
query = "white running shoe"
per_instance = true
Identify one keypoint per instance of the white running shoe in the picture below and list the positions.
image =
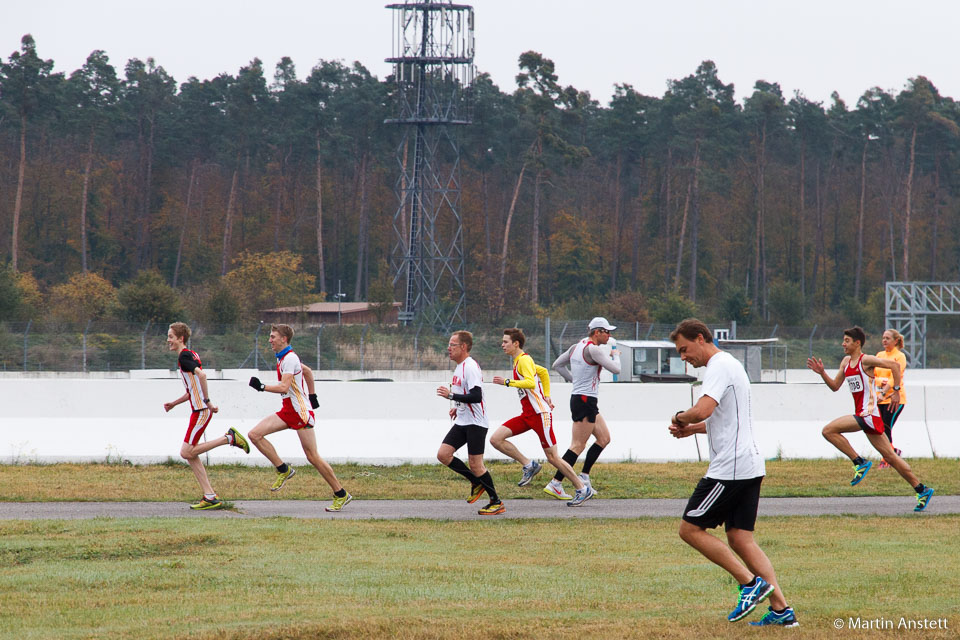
(528, 473)
(555, 489)
(582, 496)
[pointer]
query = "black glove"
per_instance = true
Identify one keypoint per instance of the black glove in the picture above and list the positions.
(256, 384)
(313, 401)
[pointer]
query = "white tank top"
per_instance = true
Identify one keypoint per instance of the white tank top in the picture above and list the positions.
(586, 376)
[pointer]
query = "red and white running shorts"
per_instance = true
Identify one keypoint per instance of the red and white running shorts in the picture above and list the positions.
(540, 423)
(198, 424)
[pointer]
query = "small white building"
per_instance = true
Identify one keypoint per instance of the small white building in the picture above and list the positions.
(651, 361)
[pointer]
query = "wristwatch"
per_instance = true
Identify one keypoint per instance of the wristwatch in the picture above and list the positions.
(206, 399)
(896, 388)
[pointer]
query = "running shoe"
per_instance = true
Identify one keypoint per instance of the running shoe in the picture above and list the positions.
(859, 471)
(339, 503)
(750, 596)
(582, 496)
(282, 478)
(237, 440)
(528, 473)
(207, 503)
(785, 618)
(923, 499)
(586, 480)
(555, 490)
(492, 509)
(475, 492)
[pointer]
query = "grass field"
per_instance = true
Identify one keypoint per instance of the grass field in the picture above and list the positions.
(280, 578)
(174, 481)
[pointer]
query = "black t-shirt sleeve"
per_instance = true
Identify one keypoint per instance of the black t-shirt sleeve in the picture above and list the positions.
(188, 362)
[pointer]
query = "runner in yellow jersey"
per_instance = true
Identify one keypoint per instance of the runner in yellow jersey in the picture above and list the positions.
(533, 385)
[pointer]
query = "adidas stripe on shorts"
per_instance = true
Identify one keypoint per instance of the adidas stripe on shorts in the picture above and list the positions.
(730, 502)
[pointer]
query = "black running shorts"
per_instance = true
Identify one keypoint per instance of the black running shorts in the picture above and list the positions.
(730, 502)
(583, 408)
(474, 436)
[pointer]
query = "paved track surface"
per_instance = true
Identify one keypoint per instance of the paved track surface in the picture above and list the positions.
(459, 510)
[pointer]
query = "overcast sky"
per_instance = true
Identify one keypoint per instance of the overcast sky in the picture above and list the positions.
(815, 47)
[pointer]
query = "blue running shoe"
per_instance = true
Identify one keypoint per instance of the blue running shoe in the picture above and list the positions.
(860, 470)
(785, 618)
(750, 596)
(923, 499)
(528, 473)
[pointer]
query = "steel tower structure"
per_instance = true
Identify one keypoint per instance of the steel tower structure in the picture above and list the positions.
(432, 59)
(907, 306)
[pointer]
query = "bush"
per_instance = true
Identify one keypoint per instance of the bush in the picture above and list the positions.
(147, 298)
(785, 303)
(671, 308)
(85, 296)
(736, 305)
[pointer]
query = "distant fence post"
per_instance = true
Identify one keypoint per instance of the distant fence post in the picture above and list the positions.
(546, 342)
(256, 347)
(319, 331)
(362, 336)
(85, 332)
(26, 334)
(810, 340)
(143, 346)
(416, 344)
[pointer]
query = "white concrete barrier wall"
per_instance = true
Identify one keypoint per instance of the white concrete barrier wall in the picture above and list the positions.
(47, 420)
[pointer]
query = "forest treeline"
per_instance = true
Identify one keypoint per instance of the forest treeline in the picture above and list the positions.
(773, 207)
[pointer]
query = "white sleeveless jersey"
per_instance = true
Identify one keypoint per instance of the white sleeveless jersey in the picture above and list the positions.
(586, 376)
(297, 393)
(466, 376)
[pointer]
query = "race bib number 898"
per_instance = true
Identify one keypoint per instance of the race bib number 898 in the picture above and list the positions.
(856, 384)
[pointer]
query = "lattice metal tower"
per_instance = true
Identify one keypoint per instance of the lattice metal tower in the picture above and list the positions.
(433, 68)
(907, 306)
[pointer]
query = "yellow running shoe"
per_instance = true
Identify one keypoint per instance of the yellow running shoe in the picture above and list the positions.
(237, 440)
(282, 478)
(475, 492)
(492, 509)
(339, 503)
(206, 503)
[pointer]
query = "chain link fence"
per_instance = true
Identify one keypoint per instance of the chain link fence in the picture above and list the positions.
(117, 346)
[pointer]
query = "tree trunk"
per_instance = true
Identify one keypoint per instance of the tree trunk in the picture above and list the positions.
(818, 248)
(186, 219)
(83, 203)
(506, 241)
(758, 249)
(321, 270)
(683, 233)
(863, 198)
(802, 219)
(635, 248)
(144, 250)
(277, 208)
(695, 222)
(936, 220)
(909, 208)
(362, 233)
(228, 222)
(18, 200)
(617, 218)
(535, 241)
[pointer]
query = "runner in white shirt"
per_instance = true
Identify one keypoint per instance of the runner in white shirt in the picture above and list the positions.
(730, 491)
(293, 388)
(581, 364)
(469, 423)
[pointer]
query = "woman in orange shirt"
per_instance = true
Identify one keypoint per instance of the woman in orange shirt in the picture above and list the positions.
(892, 343)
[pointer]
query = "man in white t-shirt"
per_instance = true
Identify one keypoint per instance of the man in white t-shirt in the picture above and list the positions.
(469, 423)
(730, 491)
(295, 414)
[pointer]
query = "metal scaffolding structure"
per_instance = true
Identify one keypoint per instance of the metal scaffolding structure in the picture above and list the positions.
(907, 306)
(433, 48)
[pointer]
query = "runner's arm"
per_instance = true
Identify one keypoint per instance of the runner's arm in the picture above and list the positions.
(599, 357)
(697, 413)
(544, 376)
(562, 365)
(475, 396)
(281, 387)
(308, 378)
(816, 365)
